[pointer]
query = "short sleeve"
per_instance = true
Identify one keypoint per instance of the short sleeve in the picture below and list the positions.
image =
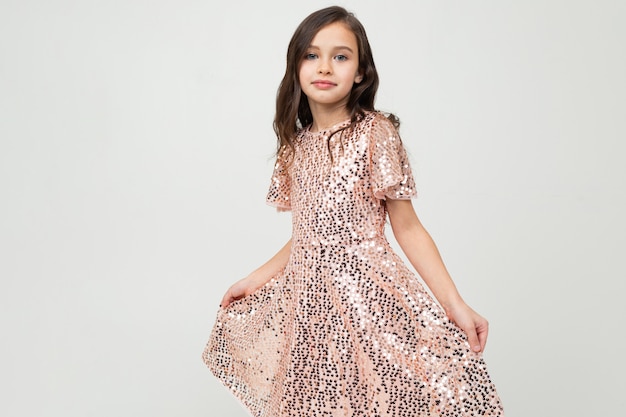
(390, 170)
(279, 194)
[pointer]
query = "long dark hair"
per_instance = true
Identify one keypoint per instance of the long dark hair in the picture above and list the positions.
(292, 107)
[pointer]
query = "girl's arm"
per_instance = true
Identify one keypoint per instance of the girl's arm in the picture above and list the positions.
(258, 277)
(423, 254)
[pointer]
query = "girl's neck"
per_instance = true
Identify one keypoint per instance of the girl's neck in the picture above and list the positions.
(325, 118)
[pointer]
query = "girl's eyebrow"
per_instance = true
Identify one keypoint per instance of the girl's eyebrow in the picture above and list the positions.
(336, 48)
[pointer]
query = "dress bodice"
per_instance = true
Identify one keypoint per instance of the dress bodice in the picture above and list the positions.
(336, 181)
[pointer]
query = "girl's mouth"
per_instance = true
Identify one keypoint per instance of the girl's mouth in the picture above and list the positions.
(323, 84)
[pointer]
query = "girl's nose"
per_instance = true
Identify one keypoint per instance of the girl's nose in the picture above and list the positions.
(324, 68)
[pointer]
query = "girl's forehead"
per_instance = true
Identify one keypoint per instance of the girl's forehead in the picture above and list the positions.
(334, 33)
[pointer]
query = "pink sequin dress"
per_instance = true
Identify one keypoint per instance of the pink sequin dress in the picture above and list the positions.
(346, 329)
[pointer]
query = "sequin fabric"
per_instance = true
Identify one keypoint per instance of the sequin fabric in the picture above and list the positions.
(345, 329)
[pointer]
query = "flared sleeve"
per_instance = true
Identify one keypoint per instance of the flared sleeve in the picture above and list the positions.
(390, 170)
(279, 194)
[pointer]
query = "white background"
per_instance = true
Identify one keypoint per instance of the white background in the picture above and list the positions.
(135, 154)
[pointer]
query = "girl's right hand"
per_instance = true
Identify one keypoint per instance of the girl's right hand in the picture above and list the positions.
(239, 290)
(257, 278)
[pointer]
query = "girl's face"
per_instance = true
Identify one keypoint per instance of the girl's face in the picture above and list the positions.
(330, 67)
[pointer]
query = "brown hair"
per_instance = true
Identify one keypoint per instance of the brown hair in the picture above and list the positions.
(292, 106)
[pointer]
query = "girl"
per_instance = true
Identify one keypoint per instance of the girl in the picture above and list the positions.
(335, 324)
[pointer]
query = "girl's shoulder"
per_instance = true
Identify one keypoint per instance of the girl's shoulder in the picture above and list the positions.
(380, 119)
(380, 123)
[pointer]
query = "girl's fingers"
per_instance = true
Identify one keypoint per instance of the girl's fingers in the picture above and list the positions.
(226, 300)
(483, 332)
(472, 338)
(482, 337)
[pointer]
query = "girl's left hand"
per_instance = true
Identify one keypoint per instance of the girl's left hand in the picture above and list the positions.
(473, 324)
(239, 290)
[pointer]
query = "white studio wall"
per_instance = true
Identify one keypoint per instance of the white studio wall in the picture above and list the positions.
(136, 150)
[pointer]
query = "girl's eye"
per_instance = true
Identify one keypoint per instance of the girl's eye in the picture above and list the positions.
(310, 56)
(341, 58)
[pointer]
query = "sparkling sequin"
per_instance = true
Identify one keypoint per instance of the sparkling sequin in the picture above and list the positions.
(346, 329)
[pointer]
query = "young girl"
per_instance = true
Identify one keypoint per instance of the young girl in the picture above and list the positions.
(335, 324)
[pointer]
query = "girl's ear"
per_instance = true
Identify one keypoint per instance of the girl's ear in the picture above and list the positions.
(358, 78)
